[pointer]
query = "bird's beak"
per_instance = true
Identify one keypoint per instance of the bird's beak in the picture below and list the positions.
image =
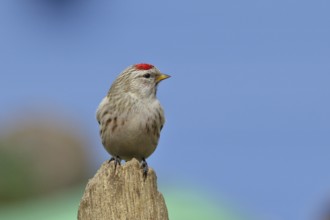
(161, 77)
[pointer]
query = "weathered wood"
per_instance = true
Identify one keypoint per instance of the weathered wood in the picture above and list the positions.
(122, 194)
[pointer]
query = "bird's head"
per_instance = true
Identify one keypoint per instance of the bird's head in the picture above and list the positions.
(140, 79)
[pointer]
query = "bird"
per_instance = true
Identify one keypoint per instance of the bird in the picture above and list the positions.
(130, 116)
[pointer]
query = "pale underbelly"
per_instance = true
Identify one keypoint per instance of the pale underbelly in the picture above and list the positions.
(130, 141)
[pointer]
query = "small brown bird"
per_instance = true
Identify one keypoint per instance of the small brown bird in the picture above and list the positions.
(130, 116)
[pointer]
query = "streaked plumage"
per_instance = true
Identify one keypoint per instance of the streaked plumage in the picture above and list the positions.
(130, 116)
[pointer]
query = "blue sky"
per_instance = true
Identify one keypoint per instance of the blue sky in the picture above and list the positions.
(247, 106)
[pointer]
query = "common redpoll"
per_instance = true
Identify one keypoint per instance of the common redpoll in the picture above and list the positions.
(130, 116)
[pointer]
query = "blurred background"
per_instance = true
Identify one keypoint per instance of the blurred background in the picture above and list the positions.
(248, 125)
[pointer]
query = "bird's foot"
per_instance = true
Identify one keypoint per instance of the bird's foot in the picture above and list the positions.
(145, 168)
(117, 161)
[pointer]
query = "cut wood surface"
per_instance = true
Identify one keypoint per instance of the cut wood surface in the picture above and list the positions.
(122, 194)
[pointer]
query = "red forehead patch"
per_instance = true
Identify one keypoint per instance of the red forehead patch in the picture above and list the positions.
(143, 66)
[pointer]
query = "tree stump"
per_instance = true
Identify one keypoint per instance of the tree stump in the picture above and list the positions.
(122, 193)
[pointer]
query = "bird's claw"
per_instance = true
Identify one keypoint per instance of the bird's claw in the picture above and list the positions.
(145, 168)
(117, 161)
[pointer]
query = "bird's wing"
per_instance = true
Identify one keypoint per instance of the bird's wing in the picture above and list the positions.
(162, 118)
(100, 109)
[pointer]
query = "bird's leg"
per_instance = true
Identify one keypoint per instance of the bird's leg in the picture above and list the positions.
(144, 167)
(116, 159)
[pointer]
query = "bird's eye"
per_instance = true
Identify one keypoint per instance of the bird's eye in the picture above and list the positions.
(147, 75)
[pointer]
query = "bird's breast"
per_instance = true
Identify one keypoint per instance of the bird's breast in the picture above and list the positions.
(135, 131)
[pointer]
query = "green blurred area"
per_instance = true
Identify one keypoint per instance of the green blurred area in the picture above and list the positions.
(60, 205)
(190, 204)
(64, 205)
